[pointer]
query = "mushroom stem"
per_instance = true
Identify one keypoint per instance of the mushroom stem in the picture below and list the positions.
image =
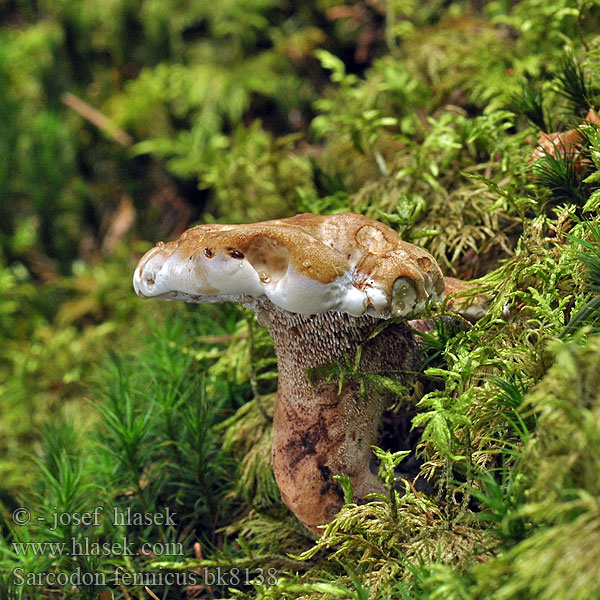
(318, 432)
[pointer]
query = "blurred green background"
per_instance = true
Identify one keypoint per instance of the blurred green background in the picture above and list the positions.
(125, 122)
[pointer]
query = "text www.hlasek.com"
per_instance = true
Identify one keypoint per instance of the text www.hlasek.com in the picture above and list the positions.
(84, 547)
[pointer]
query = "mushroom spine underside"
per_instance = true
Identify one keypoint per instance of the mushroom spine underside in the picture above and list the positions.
(319, 430)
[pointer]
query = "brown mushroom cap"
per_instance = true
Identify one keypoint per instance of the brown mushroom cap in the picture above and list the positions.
(471, 307)
(307, 264)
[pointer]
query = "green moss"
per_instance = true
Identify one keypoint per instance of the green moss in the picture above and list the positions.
(268, 109)
(560, 469)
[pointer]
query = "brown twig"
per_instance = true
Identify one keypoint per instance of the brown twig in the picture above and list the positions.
(413, 489)
(120, 224)
(98, 119)
(152, 594)
(221, 339)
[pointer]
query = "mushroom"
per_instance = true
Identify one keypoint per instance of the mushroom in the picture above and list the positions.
(471, 308)
(321, 284)
(567, 143)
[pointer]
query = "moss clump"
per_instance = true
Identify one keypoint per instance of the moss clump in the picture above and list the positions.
(560, 477)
